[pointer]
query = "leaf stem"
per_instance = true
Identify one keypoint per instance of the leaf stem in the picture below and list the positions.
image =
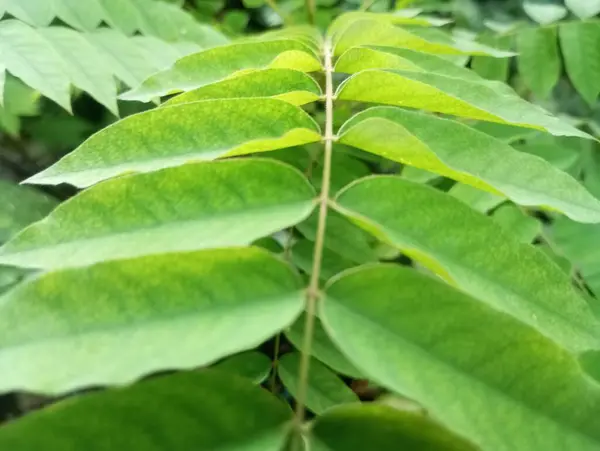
(311, 9)
(273, 381)
(312, 292)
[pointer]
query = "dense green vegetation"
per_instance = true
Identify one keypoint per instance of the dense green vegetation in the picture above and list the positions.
(287, 225)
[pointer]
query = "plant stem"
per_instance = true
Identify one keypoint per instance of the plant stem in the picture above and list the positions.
(312, 292)
(311, 10)
(273, 382)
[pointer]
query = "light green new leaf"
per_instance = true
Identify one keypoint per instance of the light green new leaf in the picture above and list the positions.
(486, 100)
(584, 9)
(113, 322)
(538, 60)
(481, 257)
(357, 59)
(172, 136)
(201, 411)
(325, 388)
(343, 21)
(580, 42)
(322, 348)
(290, 85)
(361, 427)
(252, 365)
(28, 56)
(460, 152)
(471, 367)
(206, 205)
(377, 32)
(209, 66)
(20, 207)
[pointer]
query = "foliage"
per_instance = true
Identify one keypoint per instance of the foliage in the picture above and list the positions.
(265, 206)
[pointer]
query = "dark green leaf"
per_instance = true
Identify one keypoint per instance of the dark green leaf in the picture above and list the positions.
(201, 411)
(382, 428)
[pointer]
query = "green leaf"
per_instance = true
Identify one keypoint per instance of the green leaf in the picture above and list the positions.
(218, 204)
(253, 3)
(357, 59)
(538, 60)
(216, 64)
(467, 364)
(148, 17)
(481, 258)
(493, 68)
(322, 348)
(286, 84)
(584, 9)
(361, 427)
(154, 313)
(580, 243)
(325, 388)
(520, 225)
(580, 42)
(171, 136)
(377, 32)
(20, 207)
(251, 365)
(331, 262)
(341, 237)
(563, 153)
(544, 13)
(486, 100)
(34, 12)
(83, 65)
(482, 201)
(343, 21)
(457, 151)
(129, 59)
(28, 56)
(2, 83)
(202, 411)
